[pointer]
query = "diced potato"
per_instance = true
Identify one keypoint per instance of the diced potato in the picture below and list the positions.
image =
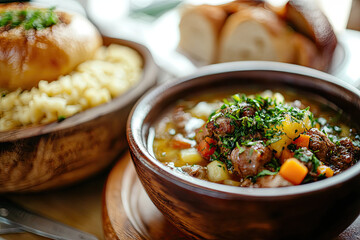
(190, 156)
(267, 94)
(345, 131)
(217, 171)
(307, 121)
(280, 145)
(291, 130)
(203, 110)
(231, 182)
(278, 97)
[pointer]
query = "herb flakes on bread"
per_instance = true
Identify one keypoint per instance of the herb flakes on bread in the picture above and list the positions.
(42, 44)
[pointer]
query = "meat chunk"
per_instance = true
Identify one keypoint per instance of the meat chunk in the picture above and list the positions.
(201, 133)
(344, 155)
(272, 181)
(180, 118)
(304, 155)
(195, 171)
(250, 160)
(221, 126)
(339, 157)
(243, 110)
(320, 144)
(246, 110)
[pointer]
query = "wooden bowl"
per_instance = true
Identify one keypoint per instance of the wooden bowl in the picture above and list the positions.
(60, 153)
(205, 210)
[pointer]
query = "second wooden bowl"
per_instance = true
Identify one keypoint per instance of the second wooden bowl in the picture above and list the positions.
(60, 153)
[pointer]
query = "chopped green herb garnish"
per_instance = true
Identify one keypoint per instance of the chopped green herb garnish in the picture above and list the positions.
(306, 155)
(241, 149)
(261, 125)
(61, 118)
(29, 19)
(292, 147)
(273, 140)
(263, 173)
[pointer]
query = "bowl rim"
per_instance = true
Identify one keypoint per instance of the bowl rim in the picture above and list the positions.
(137, 141)
(147, 80)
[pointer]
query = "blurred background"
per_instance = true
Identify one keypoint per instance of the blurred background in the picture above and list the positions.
(154, 23)
(354, 20)
(337, 11)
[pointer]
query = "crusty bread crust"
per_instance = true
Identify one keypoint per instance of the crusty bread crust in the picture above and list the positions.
(205, 22)
(306, 52)
(272, 42)
(306, 18)
(28, 56)
(238, 5)
(299, 33)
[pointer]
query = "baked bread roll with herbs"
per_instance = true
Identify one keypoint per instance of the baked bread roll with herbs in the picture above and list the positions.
(42, 44)
(298, 33)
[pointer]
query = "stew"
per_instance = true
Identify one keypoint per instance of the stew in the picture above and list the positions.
(257, 140)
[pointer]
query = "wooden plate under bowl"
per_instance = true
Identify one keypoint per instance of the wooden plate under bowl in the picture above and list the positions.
(128, 212)
(60, 153)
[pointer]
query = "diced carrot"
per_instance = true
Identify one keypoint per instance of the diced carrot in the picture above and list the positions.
(286, 154)
(180, 142)
(206, 147)
(302, 141)
(327, 171)
(293, 171)
(176, 143)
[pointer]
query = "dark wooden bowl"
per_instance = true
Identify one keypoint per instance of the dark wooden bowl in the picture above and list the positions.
(60, 153)
(205, 210)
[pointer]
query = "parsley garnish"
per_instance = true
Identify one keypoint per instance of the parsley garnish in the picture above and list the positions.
(306, 155)
(263, 173)
(292, 147)
(241, 149)
(61, 118)
(29, 18)
(262, 125)
(273, 140)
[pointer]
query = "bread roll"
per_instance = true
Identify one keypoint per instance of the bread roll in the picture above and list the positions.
(28, 56)
(255, 34)
(306, 52)
(199, 30)
(237, 5)
(306, 18)
(252, 30)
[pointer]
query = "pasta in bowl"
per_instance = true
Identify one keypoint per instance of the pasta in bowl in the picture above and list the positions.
(46, 147)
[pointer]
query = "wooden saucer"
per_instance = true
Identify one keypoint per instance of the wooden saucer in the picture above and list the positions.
(128, 212)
